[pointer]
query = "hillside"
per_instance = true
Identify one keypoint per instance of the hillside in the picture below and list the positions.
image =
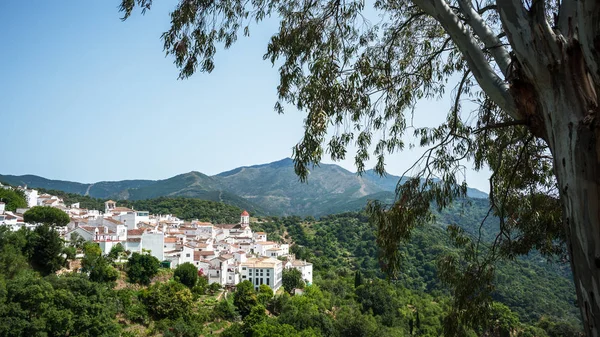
(389, 182)
(271, 188)
(276, 187)
(530, 286)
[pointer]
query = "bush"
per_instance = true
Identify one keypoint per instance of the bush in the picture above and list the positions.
(141, 268)
(170, 300)
(225, 310)
(186, 274)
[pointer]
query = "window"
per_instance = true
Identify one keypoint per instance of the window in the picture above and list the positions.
(243, 268)
(268, 279)
(187, 255)
(243, 276)
(250, 279)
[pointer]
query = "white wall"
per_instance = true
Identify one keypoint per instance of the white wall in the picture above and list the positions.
(154, 242)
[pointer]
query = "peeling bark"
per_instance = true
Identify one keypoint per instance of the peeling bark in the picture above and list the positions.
(577, 165)
(554, 84)
(566, 112)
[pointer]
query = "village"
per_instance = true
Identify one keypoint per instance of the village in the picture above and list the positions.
(225, 253)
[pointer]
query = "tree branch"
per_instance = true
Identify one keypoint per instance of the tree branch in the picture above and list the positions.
(500, 125)
(517, 25)
(579, 20)
(489, 38)
(488, 80)
(487, 8)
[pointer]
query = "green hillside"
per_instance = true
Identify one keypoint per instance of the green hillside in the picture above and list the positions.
(533, 288)
(39, 182)
(349, 295)
(186, 184)
(223, 210)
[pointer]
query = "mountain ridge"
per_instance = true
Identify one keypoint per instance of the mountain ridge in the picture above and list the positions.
(270, 188)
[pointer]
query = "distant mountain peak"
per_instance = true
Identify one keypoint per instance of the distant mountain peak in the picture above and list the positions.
(285, 162)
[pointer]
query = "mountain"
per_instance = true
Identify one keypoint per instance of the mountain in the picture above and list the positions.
(276, 187)
(103, 189)
(39, 182)
(389, 181)
(191, 185)
(271, 188)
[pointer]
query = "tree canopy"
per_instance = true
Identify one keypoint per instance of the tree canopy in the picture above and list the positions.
(141, 268)
(44, 249)
(13, 199)
(47, 215)
(531, 68)
(97, 266)
(186, 274)
(292, 279)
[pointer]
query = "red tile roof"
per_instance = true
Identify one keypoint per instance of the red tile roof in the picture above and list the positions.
(135, 232)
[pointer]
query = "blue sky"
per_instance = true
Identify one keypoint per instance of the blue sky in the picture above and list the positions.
(86, 97)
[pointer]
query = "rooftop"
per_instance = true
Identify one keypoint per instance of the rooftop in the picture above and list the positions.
(261, 262)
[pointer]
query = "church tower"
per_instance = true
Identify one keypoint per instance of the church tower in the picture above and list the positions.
(109, 206)
(245, 219)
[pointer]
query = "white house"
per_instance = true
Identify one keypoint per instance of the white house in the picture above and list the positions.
(217, 272)
(261, 247)
(154, 241)
(306, 268)
(32, 197)
(260, 236)
(262, 270)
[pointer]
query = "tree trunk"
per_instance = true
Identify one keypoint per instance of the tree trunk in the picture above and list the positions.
(567, 108)
(577, 170)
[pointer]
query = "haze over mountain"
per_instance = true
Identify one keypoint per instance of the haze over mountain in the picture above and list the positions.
(271, 188)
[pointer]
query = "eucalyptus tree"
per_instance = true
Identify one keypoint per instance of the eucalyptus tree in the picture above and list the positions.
(357, 70)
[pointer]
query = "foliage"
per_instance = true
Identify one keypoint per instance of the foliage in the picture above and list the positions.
(347, 241)
(69, 305)
(46, 215)
(142, 267)
(214, 287)
(225, 309)
(308, 311)
(358, 70)
(12, 248)
(97, 266)
(245, 297)
(183, 328)
(352, 323)
(265, 294)
(44, 249)
(116, 251)
(13, 199)
(256, 316)
(186, 274)
(333, 306)
(77, 241)
(170, 300)
(292, 279)
(189, 209)
(132, 307)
